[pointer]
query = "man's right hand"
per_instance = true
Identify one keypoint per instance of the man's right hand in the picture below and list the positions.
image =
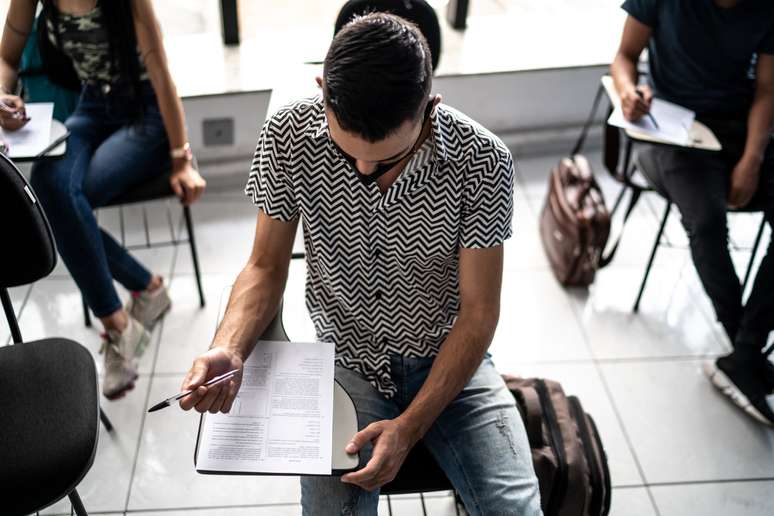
(12, 113)
(636, 106)
(219, 397)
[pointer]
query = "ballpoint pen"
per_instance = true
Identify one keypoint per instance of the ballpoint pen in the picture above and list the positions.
(640, 94)
(218, 379)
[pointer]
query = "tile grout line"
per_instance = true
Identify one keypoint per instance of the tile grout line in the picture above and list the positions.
(150, 387)
(614, 406)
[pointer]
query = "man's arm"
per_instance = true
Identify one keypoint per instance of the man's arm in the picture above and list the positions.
(744, 178)
(252, 305)
(480, 278)
(624, 69)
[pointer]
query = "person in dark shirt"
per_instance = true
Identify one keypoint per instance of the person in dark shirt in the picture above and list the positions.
(715, 57)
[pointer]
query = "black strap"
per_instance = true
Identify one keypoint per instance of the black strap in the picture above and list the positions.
(585, 131)
(604, 261)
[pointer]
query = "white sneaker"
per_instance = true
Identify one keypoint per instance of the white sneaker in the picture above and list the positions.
(122, 349)
(149, 307)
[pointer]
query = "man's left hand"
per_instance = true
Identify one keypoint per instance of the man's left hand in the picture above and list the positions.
(393, 439)
(744, 182)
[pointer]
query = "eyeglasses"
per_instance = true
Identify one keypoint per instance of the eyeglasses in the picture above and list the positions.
(382, 167)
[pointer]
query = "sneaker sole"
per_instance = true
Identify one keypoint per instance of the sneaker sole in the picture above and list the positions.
(122, 391)
(724, 384)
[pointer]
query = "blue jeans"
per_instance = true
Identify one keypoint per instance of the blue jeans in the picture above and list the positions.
(479, 441)
(106, 155)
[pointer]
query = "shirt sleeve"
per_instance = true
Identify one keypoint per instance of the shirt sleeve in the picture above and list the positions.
(268, 184)
(488, 204)
(767, 44)
(644, 11)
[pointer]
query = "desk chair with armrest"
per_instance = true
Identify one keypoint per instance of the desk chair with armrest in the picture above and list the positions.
(634, 167)
(49, 402)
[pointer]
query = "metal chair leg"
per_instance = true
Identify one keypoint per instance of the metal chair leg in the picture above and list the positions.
(652, 257)
(194, 255)
(105, 421)
(457, 502)
(753, 254)
(424, 508)
(10, 315)
(75, 500)
(389, 505)
(86, 313)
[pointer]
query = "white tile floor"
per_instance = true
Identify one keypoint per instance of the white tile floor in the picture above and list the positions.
(676, 447)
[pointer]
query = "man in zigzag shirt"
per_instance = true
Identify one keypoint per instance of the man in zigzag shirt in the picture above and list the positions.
(405, 204)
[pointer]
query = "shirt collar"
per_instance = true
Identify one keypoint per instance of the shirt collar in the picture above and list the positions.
(319, 129)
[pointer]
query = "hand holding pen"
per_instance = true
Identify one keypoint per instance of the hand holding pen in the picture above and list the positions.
(12, 113)
(212, 381)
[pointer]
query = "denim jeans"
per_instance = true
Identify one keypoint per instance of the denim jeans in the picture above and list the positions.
(478, 440)
(698, 183)
(107, 153)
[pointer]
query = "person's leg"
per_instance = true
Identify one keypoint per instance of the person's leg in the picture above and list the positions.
(329, 496)
(480, 442)
(59, 185)
(131, 155)
(758, 318)
(697, 182)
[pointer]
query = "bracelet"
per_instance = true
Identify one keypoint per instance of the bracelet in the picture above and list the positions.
(182, 152)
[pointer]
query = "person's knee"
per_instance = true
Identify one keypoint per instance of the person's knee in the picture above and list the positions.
(330, 496)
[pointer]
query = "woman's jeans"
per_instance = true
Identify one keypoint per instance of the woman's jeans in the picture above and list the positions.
(478, 440)
(106, 155)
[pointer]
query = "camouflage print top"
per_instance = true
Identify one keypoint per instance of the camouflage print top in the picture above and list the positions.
(85, 41)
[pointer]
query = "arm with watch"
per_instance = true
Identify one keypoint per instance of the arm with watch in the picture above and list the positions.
(185, 180)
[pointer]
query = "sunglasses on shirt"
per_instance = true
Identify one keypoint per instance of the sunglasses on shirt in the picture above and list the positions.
(382, 167)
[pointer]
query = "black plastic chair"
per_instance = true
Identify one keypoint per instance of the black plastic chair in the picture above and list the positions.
(156, 189)
(49, 402)
(633, 161)
(417, 11)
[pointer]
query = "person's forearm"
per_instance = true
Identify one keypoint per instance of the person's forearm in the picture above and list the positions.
(458, 359)
(8, 77)
(253, 303)
(171, 108)
(624, 72)
(760, 123)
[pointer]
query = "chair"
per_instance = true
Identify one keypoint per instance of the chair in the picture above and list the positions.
(417, 11)
(624, 168)
(49, 403)
(155, 189)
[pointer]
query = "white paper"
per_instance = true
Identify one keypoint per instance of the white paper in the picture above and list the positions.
(35, 136)
(282, 418)
(674, 122)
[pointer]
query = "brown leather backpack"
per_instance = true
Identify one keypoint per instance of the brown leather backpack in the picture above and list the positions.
(574, 222)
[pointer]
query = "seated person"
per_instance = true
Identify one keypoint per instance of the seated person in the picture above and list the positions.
(405, 205)
(715, 57)
(128, 127)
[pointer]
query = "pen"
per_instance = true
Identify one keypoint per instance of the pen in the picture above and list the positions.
(12, 110)
(639, 93)
(218, 379)
(53, 145)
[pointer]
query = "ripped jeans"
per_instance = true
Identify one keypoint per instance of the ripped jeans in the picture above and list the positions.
(478, 440)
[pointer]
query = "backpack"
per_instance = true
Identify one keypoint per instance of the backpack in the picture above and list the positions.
(567, 452)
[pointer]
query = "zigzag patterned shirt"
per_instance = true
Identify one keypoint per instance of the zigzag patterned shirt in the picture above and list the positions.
(382, 268)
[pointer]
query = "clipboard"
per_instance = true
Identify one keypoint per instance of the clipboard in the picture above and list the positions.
(344, 412)
(699, 135)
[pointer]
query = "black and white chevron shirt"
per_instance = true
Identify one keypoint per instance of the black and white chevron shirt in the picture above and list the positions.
(382, 268)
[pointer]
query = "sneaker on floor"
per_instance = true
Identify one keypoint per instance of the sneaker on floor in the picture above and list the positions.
(744, 383)
(149, 307)
(121, 351)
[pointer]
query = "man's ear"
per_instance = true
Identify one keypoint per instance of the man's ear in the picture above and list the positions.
(319, 81)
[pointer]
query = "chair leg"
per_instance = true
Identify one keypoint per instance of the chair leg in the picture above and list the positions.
(753, 254)
(424, 508)
(652, 257)
(10, 316)
(75, 500)
(86, 313)
(457, 502)
(389, 505)
(105, 421)
(194, 255)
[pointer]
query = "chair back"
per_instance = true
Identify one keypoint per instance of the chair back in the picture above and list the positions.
(417, 11)
(29, 253)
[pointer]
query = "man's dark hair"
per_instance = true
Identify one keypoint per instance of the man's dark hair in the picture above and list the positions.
(378, 74)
